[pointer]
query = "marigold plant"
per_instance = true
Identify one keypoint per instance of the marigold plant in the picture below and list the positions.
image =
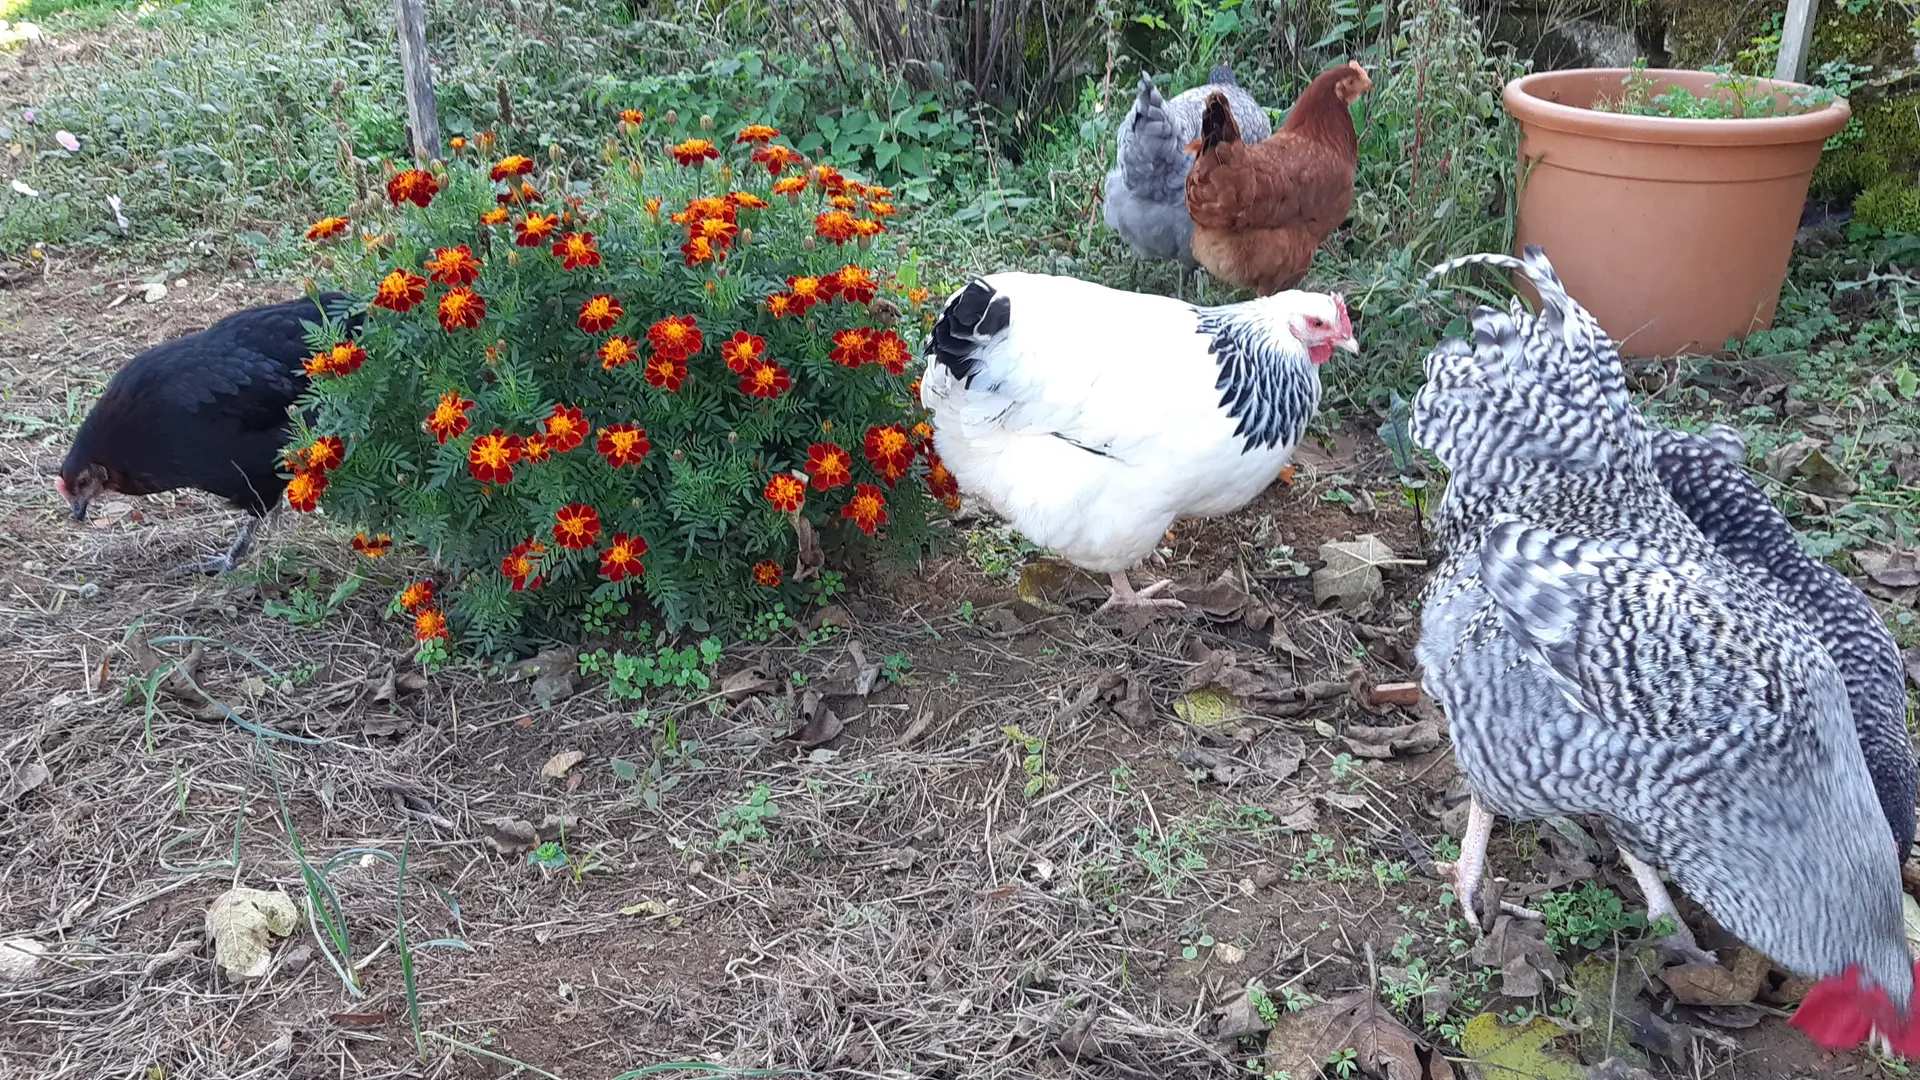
(579, 386)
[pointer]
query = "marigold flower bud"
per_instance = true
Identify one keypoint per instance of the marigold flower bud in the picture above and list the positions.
(706, 122)
(746, 237)
(635, 169)
(553, 152)
(672, 116)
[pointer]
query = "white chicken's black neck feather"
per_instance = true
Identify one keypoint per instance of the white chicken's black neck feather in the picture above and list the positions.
(1261, 386)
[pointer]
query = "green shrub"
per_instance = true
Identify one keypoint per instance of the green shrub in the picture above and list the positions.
(576, 392)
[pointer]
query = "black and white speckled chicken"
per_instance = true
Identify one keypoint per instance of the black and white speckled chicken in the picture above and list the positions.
(205, 411)
(1597, 655)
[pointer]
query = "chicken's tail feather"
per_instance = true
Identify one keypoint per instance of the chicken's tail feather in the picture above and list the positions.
(1221, 75)
(1151, 156)
(1216, 124)
(973, 316)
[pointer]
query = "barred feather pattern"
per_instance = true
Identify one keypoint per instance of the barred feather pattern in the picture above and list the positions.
(1596, 655)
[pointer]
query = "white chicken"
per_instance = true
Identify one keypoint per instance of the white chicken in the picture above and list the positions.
(1092, 418)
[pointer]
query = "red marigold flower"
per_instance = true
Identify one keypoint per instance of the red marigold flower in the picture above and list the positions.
(890, 351)
(829, 178)
(829, 465)
(693, 152)
(786, 493)
(521, 566)
(741, 350)
(303, 491)
(776, 159)
(867, 228)
(416, 596)
(327, 228)
(855, 284)
(668, 373)
(757, 133)
(790, 186)
(490, 459)
(875, 191)
(677, 336)
(889, 451)
(449, 417)
(566, 428)
(323, 454)
(461, 309)
(344, 358)
(600, 313)
(913, 391)
(836, 226)
(536, 448)
(633, 117)
(808, 291)
(717, 231)
(533, 230)
(618, 350)
(867, 509)
(510, 167)
(373, 547)
(400, 290)
(922, 434)
(414, 185)
(698, 250)
(428, 624)
(852, 346)
(454, 266)
(881, 209)
(746, 200)
(765, 379)
(782, 304)
(941, 483)
(576, 526)
(766, 573)
(495, 216)
(576, 250)
(704, 207)
(623, 444)
(841, 202)
(526, 194)
(622, 560)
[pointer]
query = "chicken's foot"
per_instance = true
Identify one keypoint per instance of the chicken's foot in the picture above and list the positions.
(1467, 870)
(1124, 596)
(1659, 906)
(220, 564)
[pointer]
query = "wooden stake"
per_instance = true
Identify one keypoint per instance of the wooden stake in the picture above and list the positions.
(1796, 33)
(423, 122)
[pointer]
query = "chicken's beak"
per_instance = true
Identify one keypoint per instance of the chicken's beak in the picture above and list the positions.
(1348, 344)
(79, 503)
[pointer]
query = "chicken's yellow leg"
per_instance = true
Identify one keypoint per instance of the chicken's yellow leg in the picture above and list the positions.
(1472, 864)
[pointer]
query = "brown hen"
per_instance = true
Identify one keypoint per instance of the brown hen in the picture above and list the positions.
(1261, 209)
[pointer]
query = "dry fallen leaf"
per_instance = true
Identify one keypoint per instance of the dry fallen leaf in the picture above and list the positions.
(1711, 984)
(1351, 576)
(557, 765)
(1053, 586)
(1804, 465)
(243, 923)
(19, 959)
(820, 725)
(1301, 1043)
(745, 683)
(1386, 742)
(30, 776)
(1891, 569)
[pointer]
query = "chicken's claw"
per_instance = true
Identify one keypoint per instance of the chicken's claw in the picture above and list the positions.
(1286, 475)
(1124, 595)
(211, 564)
(1467, 870)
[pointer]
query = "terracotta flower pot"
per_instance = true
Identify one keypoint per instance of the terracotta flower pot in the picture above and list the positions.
(1674, 233)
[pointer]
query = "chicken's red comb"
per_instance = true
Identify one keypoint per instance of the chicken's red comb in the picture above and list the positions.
(1839, 1013)
(60, 485)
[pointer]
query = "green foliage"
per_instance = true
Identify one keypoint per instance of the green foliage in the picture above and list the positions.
(630, 678)
(1586, 917)
(747, 822)
(489, 486)
(1732, 96)
(1033, 761)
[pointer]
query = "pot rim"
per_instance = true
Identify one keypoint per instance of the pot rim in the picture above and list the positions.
(1522, 99)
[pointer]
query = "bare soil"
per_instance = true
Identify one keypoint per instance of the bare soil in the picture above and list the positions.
(913, 909)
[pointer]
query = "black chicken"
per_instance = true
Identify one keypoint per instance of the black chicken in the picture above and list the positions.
(206, 411)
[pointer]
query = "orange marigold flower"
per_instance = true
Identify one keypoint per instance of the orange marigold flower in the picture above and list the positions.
(400, 290)
(829, 465)
(855, 189)
(808, 291)
(829, 178)
(461, 309)
(576, 250)
(633, 117)
(867, 509)
(776, 159)
(875, 191)
(600, 313)
(521, 566)
(416, 186)
(922, 434)
(677, 336)
(782, 304)
(785, 492)
(719, 231)
(576, 526)
(940, 480)
(698, 250)
(890, 352)
(510, 167)
(303, 491)
(449, 417)
(653, 208)
(495, 216)
(622, 560)
(327, 227)
(757, 133)
(526, 193)
(765, 379)
(533, 230)
(747, 200)
(566, 428)
(428, 624)
(536, 448)
(867, 228)
(889, 451)
(852, 346)
(623, 444)
(344, 358)
(741, 350)
(668, 373)
(491, 457)
(881, 209)
(766, 573)
(913, 391)
(373, 547)
(919, 295)
(836, 226)
(416, 596)
(693, 152)
(790, 186)
(618, 350)
(855, 284)
(841, 202)
(457, 142)
(323, 454)
(454, 266)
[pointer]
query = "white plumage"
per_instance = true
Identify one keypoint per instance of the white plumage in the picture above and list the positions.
(1092, 418)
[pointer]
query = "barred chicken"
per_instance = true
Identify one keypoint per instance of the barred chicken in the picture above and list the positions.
(1145, 198)
(1597, 655)
(1092, 418)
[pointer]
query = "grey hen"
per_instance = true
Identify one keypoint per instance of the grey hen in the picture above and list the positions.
(1596, 655)
(1145, 200)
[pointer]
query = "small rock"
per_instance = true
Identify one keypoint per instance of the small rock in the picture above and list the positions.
(19, 959)
(153, 293)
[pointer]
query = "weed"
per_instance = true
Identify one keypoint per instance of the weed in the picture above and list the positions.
(632, 677)
(1033, 761)
(1174, 857)
(1586, 917)
(673, 756)
(303, 606)
(1190, 950)
(746, 822)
